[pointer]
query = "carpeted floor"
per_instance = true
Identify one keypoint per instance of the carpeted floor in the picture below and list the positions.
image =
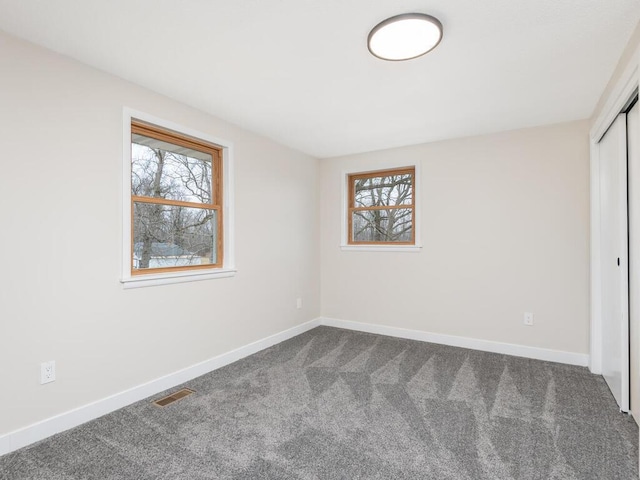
(335, 404)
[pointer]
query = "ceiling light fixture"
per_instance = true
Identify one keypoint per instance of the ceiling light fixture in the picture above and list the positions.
(405, 36)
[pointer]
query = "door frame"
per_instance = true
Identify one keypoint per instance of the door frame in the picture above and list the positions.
(620, 97)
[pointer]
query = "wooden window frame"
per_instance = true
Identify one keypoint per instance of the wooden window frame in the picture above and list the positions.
(351, 208)
(216, 152)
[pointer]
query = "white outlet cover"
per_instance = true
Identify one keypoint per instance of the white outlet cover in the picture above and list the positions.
(47, 372)
(528, 318)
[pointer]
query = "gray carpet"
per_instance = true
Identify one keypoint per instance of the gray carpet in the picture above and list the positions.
(335, 404)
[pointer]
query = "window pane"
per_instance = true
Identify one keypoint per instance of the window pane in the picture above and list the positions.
(163, 170)
(383, 191)
(387, 225)
(173, 236)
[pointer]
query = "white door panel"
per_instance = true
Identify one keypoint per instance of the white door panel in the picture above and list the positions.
(613, 238)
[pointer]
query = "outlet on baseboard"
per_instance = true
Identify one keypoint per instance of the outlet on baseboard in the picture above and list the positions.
(528, 319)
(47, 372)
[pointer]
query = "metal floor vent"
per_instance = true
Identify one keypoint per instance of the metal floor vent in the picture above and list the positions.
(163, 402)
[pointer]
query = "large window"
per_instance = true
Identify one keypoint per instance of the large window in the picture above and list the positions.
(176, 202)
(381, 207)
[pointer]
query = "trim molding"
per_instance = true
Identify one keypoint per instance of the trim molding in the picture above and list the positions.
(619, 97)
(595, 364)
(570, 358)
(38, 431)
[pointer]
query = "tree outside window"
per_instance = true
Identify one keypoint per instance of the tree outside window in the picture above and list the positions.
(176, 201)
(381, 207)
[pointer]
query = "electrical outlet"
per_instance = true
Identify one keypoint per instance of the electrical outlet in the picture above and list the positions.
(298, 303)
(528, 319)
(47, 372)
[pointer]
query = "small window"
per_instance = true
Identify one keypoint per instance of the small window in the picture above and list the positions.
(381, 207)
(176, 202)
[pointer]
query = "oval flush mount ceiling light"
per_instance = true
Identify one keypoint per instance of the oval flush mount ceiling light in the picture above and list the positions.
(405, 36)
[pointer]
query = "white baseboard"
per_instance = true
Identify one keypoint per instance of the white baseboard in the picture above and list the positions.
(559, 356)
(41, 430)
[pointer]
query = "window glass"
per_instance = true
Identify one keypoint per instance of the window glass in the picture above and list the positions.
(386, 225)
(387, 190)
(160, 169)
(173, 236)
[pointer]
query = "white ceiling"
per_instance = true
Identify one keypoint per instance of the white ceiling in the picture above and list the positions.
(298, 71)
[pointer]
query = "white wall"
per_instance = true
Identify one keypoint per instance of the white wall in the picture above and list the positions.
(60, 195)
(505, 226)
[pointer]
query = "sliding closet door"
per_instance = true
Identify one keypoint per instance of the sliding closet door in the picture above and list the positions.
(633, 143)
(613, 241)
